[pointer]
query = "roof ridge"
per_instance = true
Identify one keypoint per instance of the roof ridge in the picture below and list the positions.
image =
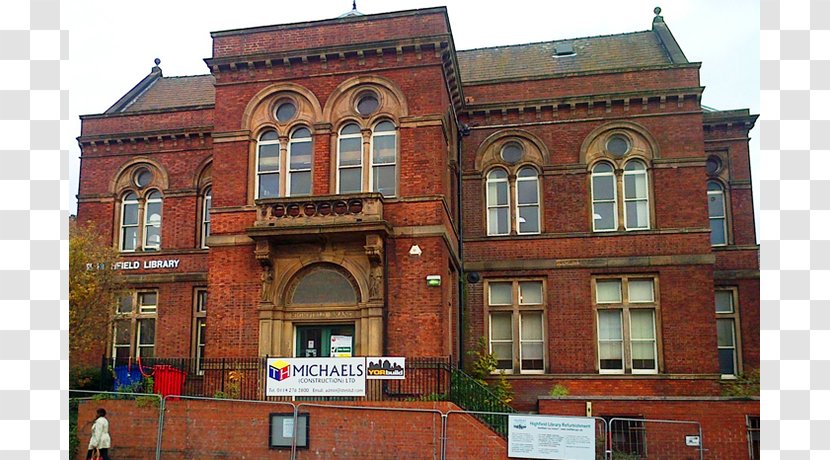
(188, 76)
(554, 41)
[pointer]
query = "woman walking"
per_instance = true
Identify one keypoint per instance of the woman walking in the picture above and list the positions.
(99, 443)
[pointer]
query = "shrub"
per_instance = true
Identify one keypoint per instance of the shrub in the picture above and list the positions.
(559, 390)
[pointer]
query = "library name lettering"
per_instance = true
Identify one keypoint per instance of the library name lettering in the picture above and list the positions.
(151, 264)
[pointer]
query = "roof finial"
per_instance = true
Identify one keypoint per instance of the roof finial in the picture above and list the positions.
(156, 68)
(354, 5)
(657, 17)
(157, 61)
(657, 11)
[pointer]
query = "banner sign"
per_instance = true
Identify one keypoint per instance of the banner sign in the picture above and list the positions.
(316, 377)
(548, 437)
(341, 346)
(386, 368)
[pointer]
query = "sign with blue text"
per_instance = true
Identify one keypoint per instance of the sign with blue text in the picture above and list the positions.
(316, 377)
(549, 437)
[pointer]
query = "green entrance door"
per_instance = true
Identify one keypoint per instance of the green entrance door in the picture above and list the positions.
(315, 341)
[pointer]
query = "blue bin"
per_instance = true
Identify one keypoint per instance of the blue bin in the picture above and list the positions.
(126, 376)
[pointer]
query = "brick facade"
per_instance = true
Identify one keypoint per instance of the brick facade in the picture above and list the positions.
(439, 100)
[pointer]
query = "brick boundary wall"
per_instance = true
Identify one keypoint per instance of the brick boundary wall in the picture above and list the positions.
(208, 429)
(723, 420)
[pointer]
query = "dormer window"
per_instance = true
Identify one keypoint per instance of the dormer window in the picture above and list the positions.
(563, 49)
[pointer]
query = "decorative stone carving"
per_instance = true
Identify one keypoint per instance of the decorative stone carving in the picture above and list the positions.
(267, 279)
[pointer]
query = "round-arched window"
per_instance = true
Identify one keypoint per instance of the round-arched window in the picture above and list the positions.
(143, 177)
(713, 165)
(285, 111)
(324, 285)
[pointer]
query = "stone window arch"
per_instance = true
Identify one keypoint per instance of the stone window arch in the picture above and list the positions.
(323, 284)
(618, 157)
(138, 190)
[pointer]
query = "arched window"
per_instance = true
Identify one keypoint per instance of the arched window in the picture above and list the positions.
(268, 165)
(527, 201)
(206, 203)
(384, 154)
(498, 203)
(299, 163)
(635, 195)
(324, 285)
(152, 221)
(350, 160)
(717, 213)
(129, 222)
(604, 197)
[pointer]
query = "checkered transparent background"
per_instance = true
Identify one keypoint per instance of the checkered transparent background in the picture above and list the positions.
(795, 217)
(795, 212)
(34, 160)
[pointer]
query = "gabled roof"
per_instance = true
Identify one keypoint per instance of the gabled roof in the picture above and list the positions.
(156, 92)
(608, 52)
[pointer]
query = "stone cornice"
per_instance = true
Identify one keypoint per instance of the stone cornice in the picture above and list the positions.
(136, 137)
(492, 81)
(600, 262)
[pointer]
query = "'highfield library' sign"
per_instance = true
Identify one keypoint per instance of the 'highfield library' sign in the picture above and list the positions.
(316, 377)
(149, 264)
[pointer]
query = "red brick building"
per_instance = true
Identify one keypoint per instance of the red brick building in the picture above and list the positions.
(588, 217)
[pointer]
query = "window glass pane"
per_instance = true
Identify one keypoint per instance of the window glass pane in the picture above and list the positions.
(200, 330)
(642, 324)
(146, 331)
(130, 239)
(201, 301)
(269, 185)
(497, 174)
(122, 354)
(716, 205)
(603, 168)
(527, 172)
(125, 304)
(324, 286)
(300, 155)
(726, 333)
(636, 214)
(350, 180)
(641, 290)
(529, 219)
(152, 235)
(350, 152)
(635, 185)
(501, 326)
(130, 214)
(351, 128)
(504, 355)
(153, 212)
(269, 136)
(122, 333)
(501, 294)
(610, 325)
(497, 193)
(609, 291)
(723, 301)
(383, 180)
(527, 191)
(147, 301)
(300, 183)
(146, 351)
(301, 133)
(531, 326)
(726, 360)
(642, 355)
(604, 216)
(384, 127)
(610, 355)
(718, 235)
(498, 221)
(635, 165)
(530, 292)
(533, 356)
(269, 158)
(383, 149)
(603, 187)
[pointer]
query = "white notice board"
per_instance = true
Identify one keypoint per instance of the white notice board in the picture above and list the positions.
(550, 437)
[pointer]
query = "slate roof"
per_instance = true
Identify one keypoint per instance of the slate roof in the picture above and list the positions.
(172, 92)
(635, 49)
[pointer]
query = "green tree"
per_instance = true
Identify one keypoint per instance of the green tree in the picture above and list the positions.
(93, 289)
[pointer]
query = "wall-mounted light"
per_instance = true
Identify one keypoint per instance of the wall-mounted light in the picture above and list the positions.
(433, 280)
(415, 250)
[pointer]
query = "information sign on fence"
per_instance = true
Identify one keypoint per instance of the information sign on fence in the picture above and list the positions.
(386, 368)
(546, 437)
(316, 377)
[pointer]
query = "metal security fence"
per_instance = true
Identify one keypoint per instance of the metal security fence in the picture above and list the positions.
(427, 378)
(639, 438)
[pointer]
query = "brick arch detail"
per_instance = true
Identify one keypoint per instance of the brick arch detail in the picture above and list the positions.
(298, 269)
(309, 109)
(392, 105)
(121, 180)
(487, 154)
(644, 145)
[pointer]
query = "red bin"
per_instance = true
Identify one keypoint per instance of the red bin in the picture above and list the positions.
(168, 380)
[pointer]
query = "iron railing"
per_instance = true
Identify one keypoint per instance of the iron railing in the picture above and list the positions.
(472, 395)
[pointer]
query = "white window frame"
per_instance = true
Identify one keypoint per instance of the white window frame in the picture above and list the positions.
(522, 341)
(491, 340)
(394, 164)
(490, 206)
(292, 141)
(139, 312)
(278, 172)
(137, 225)
(594, 200)
(535, 179)
(515, 309)
(734, 317)
(147, 224)
(340, 168)
(207, 201)
(199, 317)
(722, 192)
(643, 172)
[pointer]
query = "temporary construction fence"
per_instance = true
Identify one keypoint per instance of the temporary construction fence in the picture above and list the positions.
(636, 438)
(189, 427)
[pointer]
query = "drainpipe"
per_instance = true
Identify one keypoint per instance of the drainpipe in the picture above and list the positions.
(463, 131)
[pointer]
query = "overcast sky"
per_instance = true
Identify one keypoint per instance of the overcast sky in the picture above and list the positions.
(113, 43)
